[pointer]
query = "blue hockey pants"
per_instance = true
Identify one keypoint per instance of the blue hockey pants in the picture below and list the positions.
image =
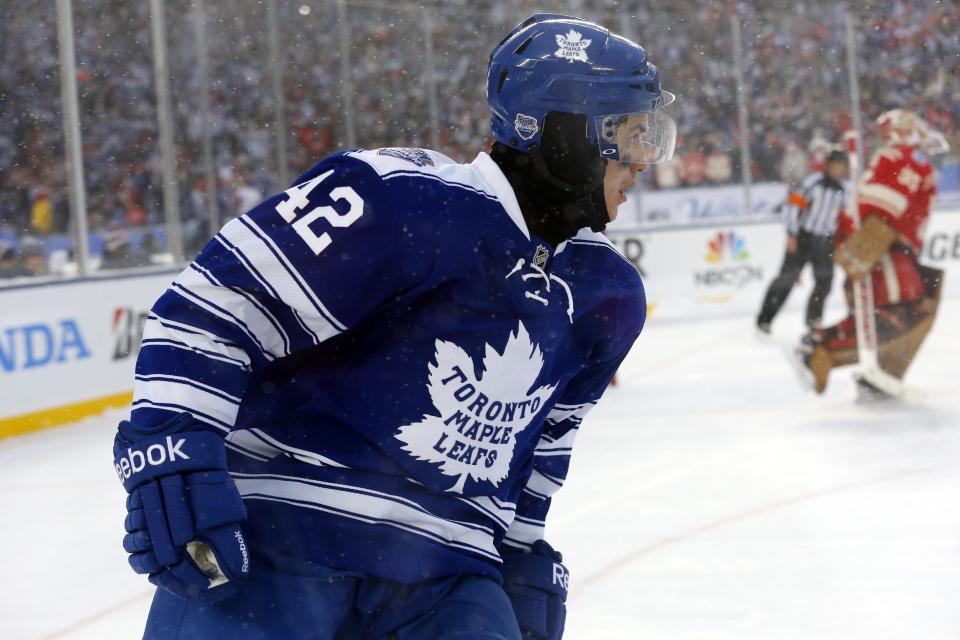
(291, 599)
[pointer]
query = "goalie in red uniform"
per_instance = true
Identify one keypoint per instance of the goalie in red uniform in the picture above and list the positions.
(894, 202)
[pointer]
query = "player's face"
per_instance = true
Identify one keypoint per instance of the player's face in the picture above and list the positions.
(630, 138)
(617, 180)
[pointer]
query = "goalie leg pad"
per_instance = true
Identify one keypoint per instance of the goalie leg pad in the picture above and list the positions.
(861, 251)
(823, 360)
(902, 328)
(933, 282)
(897, 355)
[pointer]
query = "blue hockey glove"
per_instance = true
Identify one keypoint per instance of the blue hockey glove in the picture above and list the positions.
(183, 508)
(536, 583)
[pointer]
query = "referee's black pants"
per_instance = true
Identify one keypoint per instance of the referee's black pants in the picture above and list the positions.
(818, 250)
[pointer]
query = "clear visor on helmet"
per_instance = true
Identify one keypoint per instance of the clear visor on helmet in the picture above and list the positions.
(646, 137)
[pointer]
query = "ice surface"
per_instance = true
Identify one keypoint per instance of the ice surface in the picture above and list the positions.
(710, 497)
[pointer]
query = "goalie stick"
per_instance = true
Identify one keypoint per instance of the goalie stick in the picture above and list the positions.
(863, 308)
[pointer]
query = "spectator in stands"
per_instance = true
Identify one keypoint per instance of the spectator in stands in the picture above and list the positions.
(118, 252)
(908, 55)
(245, 195)
(718, 168)
(33, 257)
(793, 169)
(150, 246)
(41, 211)
(10, 266)
(694, 167)
(667, 175)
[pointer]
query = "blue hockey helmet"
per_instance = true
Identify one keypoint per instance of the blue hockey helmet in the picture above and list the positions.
(557, 63)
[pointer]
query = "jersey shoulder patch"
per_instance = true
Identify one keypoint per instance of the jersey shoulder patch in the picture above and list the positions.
(389, 160)
(418, 157)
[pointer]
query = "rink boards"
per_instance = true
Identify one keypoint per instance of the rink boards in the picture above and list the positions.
(67, 349)
(696, 272)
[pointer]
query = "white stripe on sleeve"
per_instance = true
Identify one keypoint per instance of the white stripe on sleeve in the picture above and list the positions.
(502, 513)
(242, 307)
(163, 390)
(244, 234)
(161, 331)
(883, 197)
(525, 531)
(562, 444)
(561, 412)
(543, 485)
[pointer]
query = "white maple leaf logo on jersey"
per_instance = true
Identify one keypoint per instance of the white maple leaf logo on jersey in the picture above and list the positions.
(479, 416)
(572, 47)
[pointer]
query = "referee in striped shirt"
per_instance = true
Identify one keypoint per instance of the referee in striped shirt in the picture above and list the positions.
(811, 216)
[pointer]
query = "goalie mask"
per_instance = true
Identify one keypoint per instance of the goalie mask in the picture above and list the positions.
(900, 126)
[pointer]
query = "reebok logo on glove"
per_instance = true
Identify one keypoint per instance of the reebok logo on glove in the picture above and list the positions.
(155, 455)
(561, 576)
(245, 566)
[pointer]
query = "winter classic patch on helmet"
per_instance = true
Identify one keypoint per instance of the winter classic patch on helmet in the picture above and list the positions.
(572, 46)
(526, 126)
(418, 157)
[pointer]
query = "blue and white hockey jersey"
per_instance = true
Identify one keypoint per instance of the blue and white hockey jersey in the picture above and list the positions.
(398, 367)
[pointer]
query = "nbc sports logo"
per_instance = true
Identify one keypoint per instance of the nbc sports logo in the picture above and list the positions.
(729, 268)
(736, 247)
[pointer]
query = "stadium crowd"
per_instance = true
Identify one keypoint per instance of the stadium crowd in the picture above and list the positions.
(794, 64)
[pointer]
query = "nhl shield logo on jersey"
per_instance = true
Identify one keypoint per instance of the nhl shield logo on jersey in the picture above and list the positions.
(572, 47)
(473, 431)
(540, 256)
(526, 126)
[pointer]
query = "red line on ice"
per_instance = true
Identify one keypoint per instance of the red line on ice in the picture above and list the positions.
(621, 562)
(97, 616)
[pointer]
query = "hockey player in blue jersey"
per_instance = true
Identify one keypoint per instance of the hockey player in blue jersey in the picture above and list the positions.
(352, 408)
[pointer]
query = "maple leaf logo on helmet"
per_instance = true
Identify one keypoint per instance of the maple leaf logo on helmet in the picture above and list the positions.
(572, 47)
